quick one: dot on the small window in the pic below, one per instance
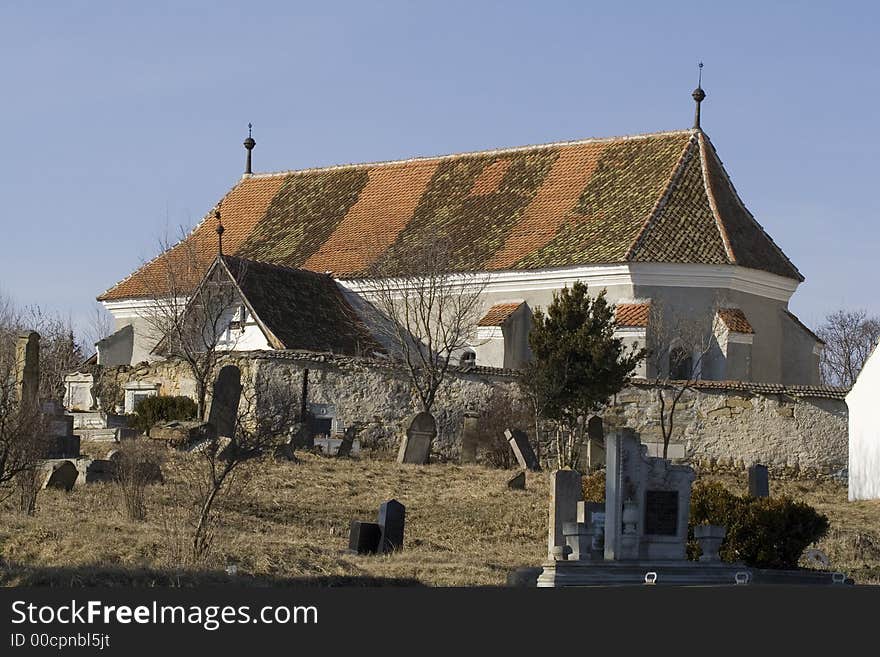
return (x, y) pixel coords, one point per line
(468, 359)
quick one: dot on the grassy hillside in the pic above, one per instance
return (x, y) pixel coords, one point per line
(289, 523)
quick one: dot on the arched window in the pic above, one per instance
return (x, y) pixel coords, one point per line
(681, 365)
(468, 359)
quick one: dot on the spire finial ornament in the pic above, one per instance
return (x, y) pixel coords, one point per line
(220, 231)
(698, 96)
(249, 144)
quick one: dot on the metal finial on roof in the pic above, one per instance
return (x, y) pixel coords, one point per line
(249, 144)
(220, 231)
(698, 96)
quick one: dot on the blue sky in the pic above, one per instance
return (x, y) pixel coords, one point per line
(122, 121)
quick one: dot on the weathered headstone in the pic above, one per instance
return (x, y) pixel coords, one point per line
(364, 537)
(224, 402)
(522, 449)
(470, 438)
(348, 437)
(96, 470)
(78, 395)
(60, 474)
(391, 519)
(416, 444)
(565, 493)
(518, 481)
(27, 368)
(759, 481)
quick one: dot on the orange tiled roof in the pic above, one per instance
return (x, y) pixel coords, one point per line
(661, 197)
(735, 320)
(499, 313)
(632, 314)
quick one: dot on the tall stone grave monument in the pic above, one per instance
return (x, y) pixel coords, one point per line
(27, 368)
(470, 438)
(565, 492)
(647, 501)
(225, 400)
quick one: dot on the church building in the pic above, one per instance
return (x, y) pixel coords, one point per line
(653, 219)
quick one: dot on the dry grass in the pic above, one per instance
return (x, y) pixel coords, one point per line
(290, 524)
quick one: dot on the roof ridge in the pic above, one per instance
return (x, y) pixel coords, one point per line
(274, 265)
(677, 172)
(713, 203)
(742, 205)
(463, 154)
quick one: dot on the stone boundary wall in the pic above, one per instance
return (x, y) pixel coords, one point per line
(375, 393)
(724, 426)
(719, 428)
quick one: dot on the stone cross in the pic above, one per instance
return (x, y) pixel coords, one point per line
(392, 515)
(565, 493)
(416, 444)
(225, 400)
(27, 368)
(522, 449)
(759, 481)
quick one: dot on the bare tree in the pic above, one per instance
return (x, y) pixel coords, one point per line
(266, 416)
(433, 312)
(191, 313)
(679, 347)
(850, 336)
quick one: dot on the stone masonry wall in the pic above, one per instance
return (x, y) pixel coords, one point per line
(724, 429)
(715, 429)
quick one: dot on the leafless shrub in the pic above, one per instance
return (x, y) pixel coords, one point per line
(138, 464)
(503, 411)
(27, 482)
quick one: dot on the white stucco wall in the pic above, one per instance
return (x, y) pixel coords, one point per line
(864, 432)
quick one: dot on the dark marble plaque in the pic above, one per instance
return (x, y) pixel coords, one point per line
(661, 512)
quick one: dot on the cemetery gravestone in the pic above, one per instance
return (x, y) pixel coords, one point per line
(61, 475)
(470, 438)
(345, 446)
(27, 371)
(416, 445)
(392, 515)
(565, 493)
(518, 482)
(759, 481)
(364, 537)
(224, 402)
(522, 450)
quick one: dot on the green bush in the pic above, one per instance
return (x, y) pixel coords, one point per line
(761, 532)
(149, 411)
